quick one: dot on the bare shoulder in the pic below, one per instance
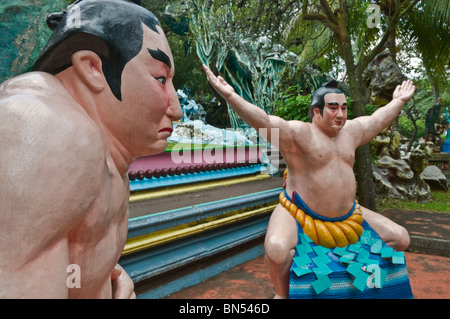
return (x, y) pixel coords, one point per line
(290, 132)
(41, 119)
(353, 125)
(300, 133)
(302, 127)
(51, 161)
(354, 130)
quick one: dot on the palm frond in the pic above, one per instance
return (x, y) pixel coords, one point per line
(427, 26)
(309, 39)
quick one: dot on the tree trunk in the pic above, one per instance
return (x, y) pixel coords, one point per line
(413, 119)
(413, 137)
(363, 165)
(432, 81)
(364, 177)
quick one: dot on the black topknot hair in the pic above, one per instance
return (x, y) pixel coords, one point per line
(317, 100)
(110, 28)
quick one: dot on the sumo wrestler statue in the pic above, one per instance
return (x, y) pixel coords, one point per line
(320, 242)
(101, 95)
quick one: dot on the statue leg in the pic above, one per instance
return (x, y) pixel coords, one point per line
(391, 233)
(280, 243)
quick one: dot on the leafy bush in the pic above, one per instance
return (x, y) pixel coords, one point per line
(406, 127)
(293, 105)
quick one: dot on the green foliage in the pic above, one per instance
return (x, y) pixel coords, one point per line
(426, 29)
(368, 110)
(188, 70)
(440, 203)
(406, 128)
(292, 105)
(284, 22)
(423, 101)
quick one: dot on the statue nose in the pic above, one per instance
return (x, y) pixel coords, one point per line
(174, 109)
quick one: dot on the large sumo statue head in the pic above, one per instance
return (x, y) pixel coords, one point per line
(318, 98)
(110, 28)
(131, 52)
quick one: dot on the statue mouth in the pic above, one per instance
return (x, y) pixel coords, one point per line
(166, 129)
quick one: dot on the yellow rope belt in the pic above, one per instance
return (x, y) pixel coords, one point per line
(327, 234)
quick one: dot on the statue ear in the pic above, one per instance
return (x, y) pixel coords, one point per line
(316, 112)
(88, 66)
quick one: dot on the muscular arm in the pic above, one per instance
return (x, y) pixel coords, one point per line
(251, 114)
(369, 126)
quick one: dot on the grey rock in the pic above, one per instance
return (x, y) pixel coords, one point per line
(434, 177)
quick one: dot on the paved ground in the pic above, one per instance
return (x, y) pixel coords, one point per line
(429, 232)
(429, 276)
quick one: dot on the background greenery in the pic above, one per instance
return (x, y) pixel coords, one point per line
(440, 203)
(317, 48)
(421, 45)
(332, 39)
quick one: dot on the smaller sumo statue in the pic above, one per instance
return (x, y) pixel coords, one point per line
(100, 95)
(320, 242)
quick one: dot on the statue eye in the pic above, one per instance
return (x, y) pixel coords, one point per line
(161, 79)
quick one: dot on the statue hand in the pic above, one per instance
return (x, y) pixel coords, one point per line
(122, 285)
(218, 83)
(405, 91)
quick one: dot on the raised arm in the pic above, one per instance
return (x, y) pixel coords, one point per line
(369, 126)
(249, 113)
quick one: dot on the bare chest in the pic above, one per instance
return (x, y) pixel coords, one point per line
(321, 152)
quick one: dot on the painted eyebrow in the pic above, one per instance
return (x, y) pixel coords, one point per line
(160, 56)
(336, 103)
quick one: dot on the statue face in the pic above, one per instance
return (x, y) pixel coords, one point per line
(142, 121)
(334, 113)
